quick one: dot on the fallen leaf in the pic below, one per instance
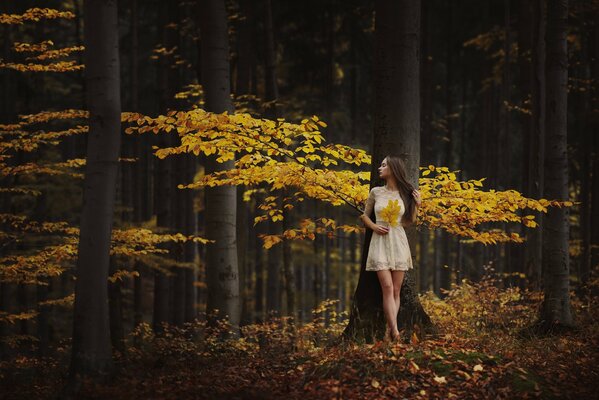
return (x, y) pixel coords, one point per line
(413, 367)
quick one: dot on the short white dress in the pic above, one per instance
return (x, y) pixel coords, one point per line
(390, 251)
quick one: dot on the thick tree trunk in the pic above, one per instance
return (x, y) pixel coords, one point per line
(396, 131)
(556, 310)
(91, 353)
(221, 264)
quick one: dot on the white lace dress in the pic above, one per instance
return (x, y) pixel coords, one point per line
(390, 251)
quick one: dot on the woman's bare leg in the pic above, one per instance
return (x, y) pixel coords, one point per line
(389, 307)
(397, 277)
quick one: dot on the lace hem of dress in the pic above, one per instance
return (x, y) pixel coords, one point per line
(383, 265)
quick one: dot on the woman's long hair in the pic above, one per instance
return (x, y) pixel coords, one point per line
(398, 169)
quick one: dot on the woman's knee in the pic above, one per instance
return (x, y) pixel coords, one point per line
(387, 287)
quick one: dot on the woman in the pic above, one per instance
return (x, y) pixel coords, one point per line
(395, 206)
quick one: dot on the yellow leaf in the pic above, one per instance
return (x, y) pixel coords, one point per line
(440, 379)
(413, 367)
(414, 339)
(478, 368)
(375, 383)
(390, 213)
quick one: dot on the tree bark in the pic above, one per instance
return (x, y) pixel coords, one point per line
(556, 311)
(165, 188)
(140, 170)
(396, 131)
(91, 352)
(221, 264)
(115, 310)
(426, 138)
(594, 245)
(536, 170)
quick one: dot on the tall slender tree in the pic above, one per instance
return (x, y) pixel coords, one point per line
(221, 256)
(533, 253)
(91, 353)
(556, 310)
(594, 239)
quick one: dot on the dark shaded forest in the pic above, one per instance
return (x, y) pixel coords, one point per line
(181, 183)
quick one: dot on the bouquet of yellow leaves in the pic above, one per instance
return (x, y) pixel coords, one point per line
(390, 213)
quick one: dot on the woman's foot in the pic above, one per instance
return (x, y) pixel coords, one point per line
(395, 336)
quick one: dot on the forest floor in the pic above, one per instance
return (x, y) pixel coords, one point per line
(480, 353)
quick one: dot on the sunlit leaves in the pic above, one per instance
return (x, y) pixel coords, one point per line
(53, 259)
(35, 14)
(41, 51)
(390, 213)
(294, 157)
(461, 207)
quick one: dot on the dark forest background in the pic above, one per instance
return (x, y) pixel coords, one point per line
(292, 59)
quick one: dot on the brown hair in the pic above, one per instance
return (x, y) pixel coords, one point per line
(398, 169)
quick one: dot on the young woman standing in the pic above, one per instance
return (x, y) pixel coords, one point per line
(395, 206)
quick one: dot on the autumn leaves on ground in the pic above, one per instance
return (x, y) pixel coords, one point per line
(482, 350)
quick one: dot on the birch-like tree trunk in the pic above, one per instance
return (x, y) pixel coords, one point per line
(221, 256)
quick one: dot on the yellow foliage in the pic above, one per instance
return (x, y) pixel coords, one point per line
(52, 260)
(390, 213)
(35, 14)
(60, 66)
(12, 318)
(289, 156)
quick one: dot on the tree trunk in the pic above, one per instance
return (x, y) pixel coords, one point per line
(91, 353)
(190, 248)
(165, 187)
(289, 270)
(140, 166)
(536, 170)
(583, 127)
(221, 256)
(259, 260)
(243, 79)
(595, 149)
(271, 90)
(426, 139)
(556, 311)
(396, 131)
(115, 310)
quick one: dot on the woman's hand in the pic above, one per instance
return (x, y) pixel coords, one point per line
(416, 195)
(380, 229)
